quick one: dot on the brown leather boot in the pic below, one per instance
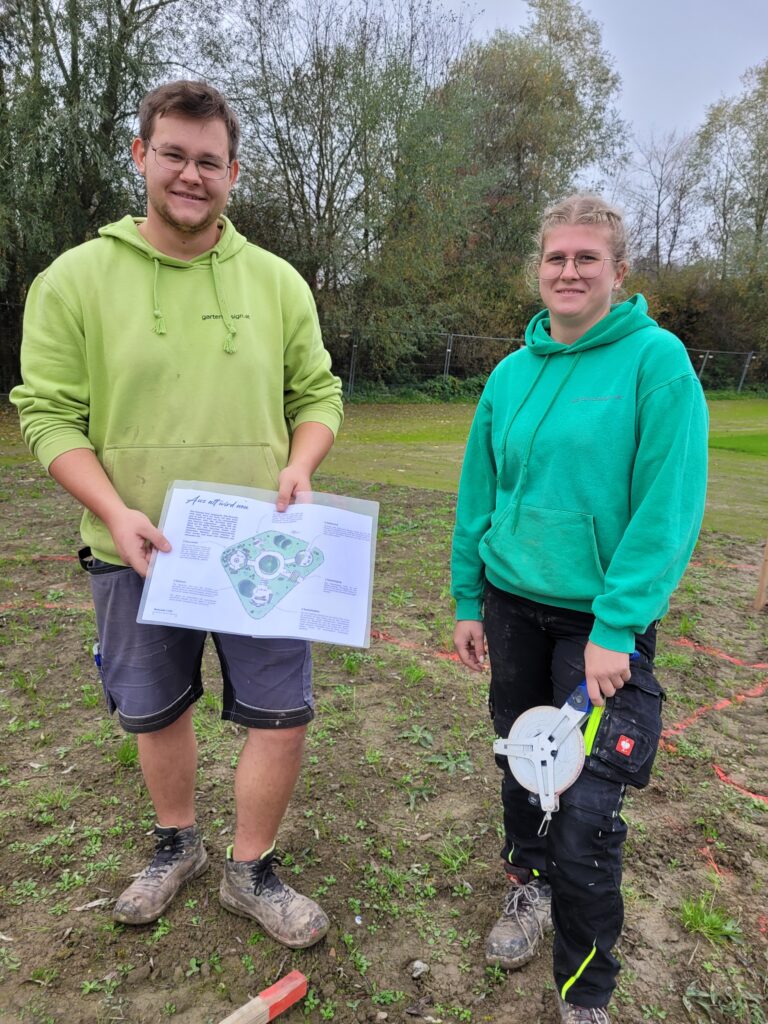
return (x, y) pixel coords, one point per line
(251, 888)
(570, 1014)
(527, 914)
(179, 857)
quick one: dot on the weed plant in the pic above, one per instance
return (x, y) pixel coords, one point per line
(699, 915)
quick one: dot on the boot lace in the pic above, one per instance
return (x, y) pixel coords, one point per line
(264, 879)
(521, 903)
(169, 850)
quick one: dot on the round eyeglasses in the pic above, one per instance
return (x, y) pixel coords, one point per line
(585, 264)
(173, 160)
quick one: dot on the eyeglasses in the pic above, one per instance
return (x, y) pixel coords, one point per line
(173, 160)
(585, 264)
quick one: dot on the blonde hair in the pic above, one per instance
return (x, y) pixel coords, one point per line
(584, 208)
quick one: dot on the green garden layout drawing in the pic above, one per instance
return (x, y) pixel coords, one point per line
(267, 566)
(237, 565)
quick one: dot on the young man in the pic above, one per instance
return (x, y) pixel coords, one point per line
(171, 348)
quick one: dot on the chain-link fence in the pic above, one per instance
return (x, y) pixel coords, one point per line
(371, 360)
(729, 370)
(431, 362)
(439, 363)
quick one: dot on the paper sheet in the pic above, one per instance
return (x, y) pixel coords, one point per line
(239, 566)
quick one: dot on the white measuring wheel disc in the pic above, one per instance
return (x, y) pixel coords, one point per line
(570, 757)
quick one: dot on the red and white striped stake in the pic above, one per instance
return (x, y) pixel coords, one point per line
(272, 1001)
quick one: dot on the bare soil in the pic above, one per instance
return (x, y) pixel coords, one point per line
(394, 825)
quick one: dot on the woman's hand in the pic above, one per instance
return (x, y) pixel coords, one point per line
(469, 640)
(605, 671)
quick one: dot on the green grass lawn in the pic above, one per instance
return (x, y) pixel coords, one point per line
(750, 444)
(423, 445)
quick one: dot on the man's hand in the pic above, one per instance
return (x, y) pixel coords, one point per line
(290, 481)
(310, 443)
(469, 640)
(135, 537)
(80, 472)
(605, 671)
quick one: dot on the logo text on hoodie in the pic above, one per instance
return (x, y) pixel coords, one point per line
(233, 316)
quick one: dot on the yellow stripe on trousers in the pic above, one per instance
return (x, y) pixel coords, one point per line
(580, 971)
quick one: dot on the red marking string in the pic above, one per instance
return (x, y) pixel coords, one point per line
(715, 652)
(672, 730)
(708, 857)
(739, 698)
(409, 645)
(742, 789)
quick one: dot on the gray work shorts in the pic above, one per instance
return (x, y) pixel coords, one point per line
(151, 674)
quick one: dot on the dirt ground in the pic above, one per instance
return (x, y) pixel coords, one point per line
(394, 825)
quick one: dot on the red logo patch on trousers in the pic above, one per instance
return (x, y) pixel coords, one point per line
(625, 745)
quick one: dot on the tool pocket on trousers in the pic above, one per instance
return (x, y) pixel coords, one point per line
(627, 738)
(596, 802)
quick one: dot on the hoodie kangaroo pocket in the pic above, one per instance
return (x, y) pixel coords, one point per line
(549, 552)
(141, 473)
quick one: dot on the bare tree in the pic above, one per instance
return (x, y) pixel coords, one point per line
(733, 150)
(326, 88)
(721, 196)
(662, 193)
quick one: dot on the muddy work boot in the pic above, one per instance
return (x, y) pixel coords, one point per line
(179, 857)
(570, 1014)
(251, 888)
(526, 916)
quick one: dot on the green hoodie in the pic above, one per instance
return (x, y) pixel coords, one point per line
(584, 477)
(171, 369)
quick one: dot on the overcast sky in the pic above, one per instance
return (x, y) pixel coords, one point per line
(675, 57)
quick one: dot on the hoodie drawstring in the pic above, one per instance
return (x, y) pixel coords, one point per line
(229, 341)
(513, 417)
(532, 438)
(159, 327)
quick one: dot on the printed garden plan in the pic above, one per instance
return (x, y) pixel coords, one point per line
(237, 565)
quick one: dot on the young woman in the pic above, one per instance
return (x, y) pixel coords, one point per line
(580, 501)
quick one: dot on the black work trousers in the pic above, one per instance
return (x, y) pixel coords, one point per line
(537, 657)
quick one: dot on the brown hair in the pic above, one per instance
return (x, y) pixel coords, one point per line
(189, 99)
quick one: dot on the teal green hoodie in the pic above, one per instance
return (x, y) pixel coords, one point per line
(171, 369)
(584, 477)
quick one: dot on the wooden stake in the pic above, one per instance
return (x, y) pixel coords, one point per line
(762, 586)
(272, 1001)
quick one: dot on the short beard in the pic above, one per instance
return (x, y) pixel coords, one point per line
(164, 213)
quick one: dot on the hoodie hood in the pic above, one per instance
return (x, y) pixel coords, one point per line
(229, 244)
(623, 319)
